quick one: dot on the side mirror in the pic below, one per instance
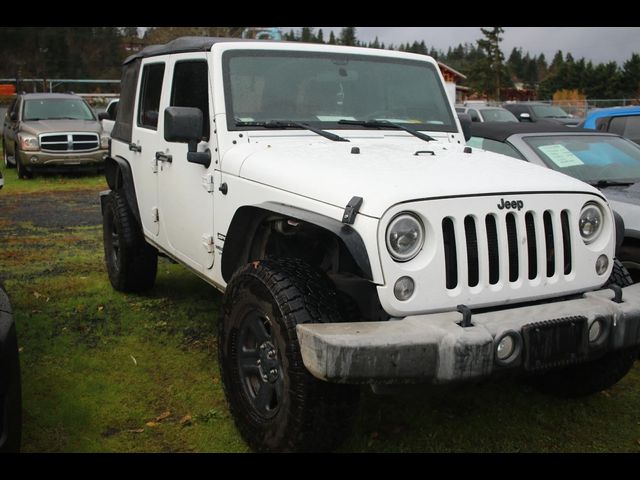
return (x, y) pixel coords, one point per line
(465, 124)
(184, 125)
(525, 116)
(13, 116)
(104, 116)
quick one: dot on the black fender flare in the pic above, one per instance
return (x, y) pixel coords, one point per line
(620, 231)
(120, 177)
(247, 219)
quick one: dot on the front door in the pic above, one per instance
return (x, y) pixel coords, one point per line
(186, 189)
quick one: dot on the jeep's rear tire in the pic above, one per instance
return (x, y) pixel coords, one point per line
(131, 262)
(277, 405)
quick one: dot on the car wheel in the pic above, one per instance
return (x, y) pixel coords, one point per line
(131, 262)
(10, 383)
(5, 156)
(277, 405)
(23, 172)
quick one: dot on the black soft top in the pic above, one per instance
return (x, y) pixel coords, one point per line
(500, 131)
(185, 44)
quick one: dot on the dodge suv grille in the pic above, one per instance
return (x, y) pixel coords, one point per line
(69, 142)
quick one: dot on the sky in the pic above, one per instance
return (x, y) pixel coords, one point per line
(598, 44)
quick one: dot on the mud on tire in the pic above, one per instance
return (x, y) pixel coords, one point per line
(276, 403)
(131, 262)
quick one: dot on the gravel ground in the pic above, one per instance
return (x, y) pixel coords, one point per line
(52, 210)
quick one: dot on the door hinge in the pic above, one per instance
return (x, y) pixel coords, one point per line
(155, 214)
(207, 243)
(207, 182)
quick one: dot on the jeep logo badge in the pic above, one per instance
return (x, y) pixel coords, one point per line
(514, 204)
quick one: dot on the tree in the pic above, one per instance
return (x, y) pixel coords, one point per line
(630, 77)
(489, 71)
(348, 36)
(332, 38)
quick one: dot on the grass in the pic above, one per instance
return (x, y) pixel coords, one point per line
(108, 372)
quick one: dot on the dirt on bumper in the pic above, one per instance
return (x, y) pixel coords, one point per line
(436, 348)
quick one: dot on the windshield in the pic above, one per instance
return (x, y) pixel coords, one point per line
(56, 108)
(321, 89)
(549, 111)
(590, 158)
(498, 115)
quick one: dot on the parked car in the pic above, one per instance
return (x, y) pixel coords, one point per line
(485, 113)
(607, 161)
(328, 192)
(624, 121)
(44, 130)
(108, 117)
(541, 112)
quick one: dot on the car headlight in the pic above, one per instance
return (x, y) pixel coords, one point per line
(104, 141)
(28, 143)
(405, 237)
(590, 222)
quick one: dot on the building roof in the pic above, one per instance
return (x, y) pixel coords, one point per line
(500, 131)
(455, 72)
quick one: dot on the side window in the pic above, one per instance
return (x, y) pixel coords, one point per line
(149, 101)
(501, 148)
(628, 127)
(191, 88)
(474, 115)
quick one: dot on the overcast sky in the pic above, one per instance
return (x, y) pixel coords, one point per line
(599, 44)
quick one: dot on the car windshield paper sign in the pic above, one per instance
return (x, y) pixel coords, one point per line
(559, 155)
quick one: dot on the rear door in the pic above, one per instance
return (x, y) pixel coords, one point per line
(186, 189)
(146, 139)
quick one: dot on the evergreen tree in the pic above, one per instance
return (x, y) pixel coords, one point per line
(348, 36)
(332, 38)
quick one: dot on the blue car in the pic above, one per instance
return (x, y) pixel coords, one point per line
(624, 121)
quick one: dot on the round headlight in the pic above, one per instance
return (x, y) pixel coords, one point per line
(405, 237)
(590, 222)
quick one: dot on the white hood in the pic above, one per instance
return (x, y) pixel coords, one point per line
(387, 171)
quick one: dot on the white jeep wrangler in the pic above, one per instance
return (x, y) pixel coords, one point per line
(328, 193)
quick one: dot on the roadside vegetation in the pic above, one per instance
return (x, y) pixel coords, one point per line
(108, 372)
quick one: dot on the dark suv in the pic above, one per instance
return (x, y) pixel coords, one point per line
(52, 129)
(541, 112)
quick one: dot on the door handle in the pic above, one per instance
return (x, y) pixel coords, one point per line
(164, 157)
(135, 147)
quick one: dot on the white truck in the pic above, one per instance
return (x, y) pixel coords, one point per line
(327, 191)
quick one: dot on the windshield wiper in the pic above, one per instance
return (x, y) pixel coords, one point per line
(610, 183)
(289, 124)
(387, 123)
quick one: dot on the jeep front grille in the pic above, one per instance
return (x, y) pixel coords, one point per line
(493, 252)
(69, 142)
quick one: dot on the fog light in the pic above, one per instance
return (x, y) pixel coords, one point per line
(505, 348)
(601, 264)
(403, 289)
(33, 159)
(594, 331)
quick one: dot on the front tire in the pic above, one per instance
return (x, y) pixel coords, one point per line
(131, 262)
(277, 405)
(5, 156)
(23, 172)
(597, 375)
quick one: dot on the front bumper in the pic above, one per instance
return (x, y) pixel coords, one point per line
(39, 159)
(435, 348)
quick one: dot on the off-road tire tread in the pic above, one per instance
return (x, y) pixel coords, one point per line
(321, 413)
(139, 260)
(619, 275)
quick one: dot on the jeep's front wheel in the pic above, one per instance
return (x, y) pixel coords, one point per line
(131, 262)
(277, 405)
